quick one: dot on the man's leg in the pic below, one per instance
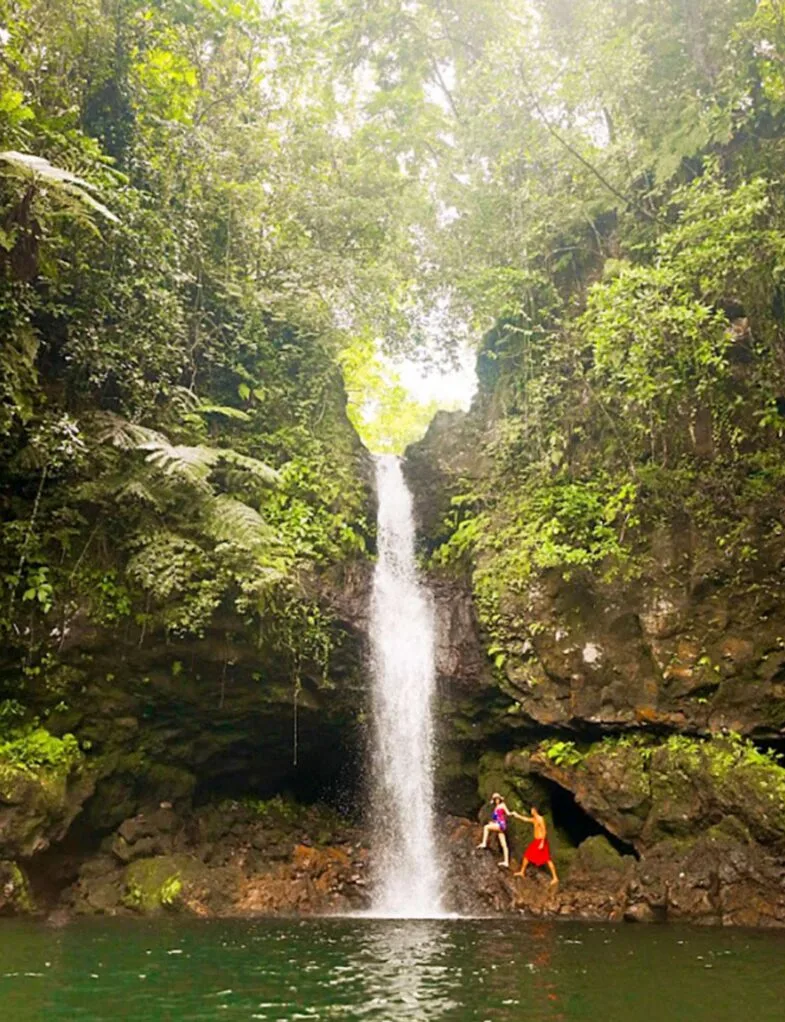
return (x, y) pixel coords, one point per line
(552, 868)
(522, 871)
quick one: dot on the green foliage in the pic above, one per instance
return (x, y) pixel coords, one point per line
(33, 750)
(171, 890)
(209, 218)
(726, 754)
(273, 809)
(562, 753)
(384, 414)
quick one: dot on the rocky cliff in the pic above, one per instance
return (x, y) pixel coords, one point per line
(624, 670)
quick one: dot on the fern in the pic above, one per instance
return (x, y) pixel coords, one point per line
(258, 469)
(190, 464)
(128, 436)
(225, 411)
(64, 180)
(230, 520)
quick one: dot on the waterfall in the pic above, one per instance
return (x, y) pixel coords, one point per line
(402, 646)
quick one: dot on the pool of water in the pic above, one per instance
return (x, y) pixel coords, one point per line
(461, 970)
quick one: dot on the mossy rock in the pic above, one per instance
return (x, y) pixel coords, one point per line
(596, 853)
(15, 896)
(131, 781)
(44, 782)
(156, 884)
(500, 772)
(491, 775)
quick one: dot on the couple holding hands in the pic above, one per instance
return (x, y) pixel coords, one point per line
(538, 852)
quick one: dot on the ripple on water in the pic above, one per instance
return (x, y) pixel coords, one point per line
(387, 971)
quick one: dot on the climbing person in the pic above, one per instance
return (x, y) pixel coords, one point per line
(538, 852)
(498, 826)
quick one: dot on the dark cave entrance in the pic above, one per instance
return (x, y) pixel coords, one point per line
(327, 767)
(576, 824)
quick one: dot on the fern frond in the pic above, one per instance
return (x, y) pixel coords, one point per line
(184, 399)
(225, 411)
(59, 177)
(190, 464)
(258, 469)
(139, 490)
(230, 520)
(128, 436)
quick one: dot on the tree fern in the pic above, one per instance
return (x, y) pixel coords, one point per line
(58, 177)
(231, 520)
(258, 469)
(119, 432)
(190, 464)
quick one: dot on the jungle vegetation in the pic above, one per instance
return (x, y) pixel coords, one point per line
(214, 214)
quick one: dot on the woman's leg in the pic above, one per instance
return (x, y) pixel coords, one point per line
(505, 849)
(487, 830)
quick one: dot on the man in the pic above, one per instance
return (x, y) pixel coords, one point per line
(538, 853)
(498, 825)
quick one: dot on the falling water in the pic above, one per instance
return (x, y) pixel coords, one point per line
(402, 641)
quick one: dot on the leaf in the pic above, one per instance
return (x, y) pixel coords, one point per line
(191, 464)
(231, 520)
(69, 182)
(258, 469)
(226, 411)
(119, 432)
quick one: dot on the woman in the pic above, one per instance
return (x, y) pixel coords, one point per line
(498, 825)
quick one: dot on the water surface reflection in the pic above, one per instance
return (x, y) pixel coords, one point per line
(406, 970)
(373, 970)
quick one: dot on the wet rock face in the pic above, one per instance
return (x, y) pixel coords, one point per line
(685, 644)
(37, 809)
(713, 881)
(217, 715)
(15, 896)
(226, 860)
(645, 794)
(689, 657)
(707, 820)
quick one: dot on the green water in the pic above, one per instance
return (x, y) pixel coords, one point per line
(494, 970)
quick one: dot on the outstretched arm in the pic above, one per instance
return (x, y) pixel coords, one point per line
(518, 816)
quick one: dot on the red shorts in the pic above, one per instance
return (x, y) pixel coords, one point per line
(538, 856)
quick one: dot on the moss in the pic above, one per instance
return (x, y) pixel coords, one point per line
(169, 782)
(491, 775)
(15, 895)
(597, 853)
(157, 883)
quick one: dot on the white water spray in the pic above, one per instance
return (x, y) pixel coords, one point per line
(402, 644)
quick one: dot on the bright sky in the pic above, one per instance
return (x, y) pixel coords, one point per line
(448, 387)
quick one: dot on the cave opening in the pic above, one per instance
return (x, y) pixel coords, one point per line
(576, 824)
(774, 747)
(326, 768)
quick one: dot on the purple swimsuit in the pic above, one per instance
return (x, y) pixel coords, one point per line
(500, 816)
